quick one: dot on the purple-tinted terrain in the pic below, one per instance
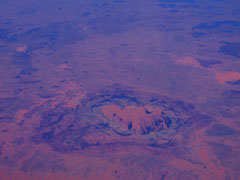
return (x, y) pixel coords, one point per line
(120, 90)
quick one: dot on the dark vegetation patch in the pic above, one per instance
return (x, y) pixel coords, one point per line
(208, 63)
(177, 1)
(237, 82)
(198, 34)
(216, 24)
(230, 48)
(231, 97)
(220, 130)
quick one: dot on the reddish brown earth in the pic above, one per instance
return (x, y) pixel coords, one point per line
(106, 90)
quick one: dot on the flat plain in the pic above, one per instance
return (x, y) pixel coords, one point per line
(117, 89)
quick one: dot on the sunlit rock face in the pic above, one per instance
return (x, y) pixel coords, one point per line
(142, 120)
